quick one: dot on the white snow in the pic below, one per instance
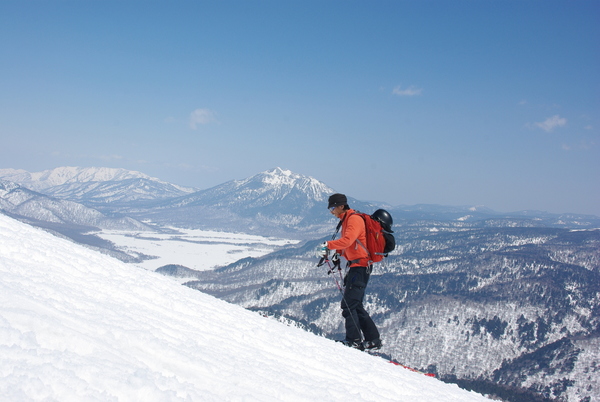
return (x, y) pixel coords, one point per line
(76, 325)
(199, 250)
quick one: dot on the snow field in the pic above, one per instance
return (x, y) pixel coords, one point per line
(195, 249)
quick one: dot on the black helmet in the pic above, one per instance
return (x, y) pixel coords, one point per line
(384, 218)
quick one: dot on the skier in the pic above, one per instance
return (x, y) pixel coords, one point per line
(358, 323)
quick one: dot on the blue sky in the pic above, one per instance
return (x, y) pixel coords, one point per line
(491, 103)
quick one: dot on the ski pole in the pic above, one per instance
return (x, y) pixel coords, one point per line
(331, 271)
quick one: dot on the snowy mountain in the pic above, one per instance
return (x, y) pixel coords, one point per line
(38, 208)
(275, 202)
(289, 190)
(78, 325)
(95, 186)
(65, 175)
(512, 311)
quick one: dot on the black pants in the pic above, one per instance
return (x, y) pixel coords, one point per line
(353, 311)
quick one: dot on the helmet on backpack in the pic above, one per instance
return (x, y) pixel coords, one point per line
(384, 218)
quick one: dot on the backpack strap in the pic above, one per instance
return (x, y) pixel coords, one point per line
(339, 225)
(369, 260)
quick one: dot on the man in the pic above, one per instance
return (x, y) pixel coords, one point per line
(358, 323)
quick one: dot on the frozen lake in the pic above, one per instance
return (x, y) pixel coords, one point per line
(195, 249)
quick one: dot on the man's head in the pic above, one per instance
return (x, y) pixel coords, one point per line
(338, 203)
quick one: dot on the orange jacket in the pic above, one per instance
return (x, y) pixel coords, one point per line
(353, 229)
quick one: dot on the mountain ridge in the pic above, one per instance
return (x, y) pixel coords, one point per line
(68, 181)
(30, 205)
(275, 202)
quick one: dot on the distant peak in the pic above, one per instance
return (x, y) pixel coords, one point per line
(279, 171)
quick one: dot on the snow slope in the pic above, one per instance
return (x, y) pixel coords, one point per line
(76, 325)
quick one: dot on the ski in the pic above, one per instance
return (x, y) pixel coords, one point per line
(376, 352)
(397, 363)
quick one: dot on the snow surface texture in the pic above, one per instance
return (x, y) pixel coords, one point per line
(76, 325)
